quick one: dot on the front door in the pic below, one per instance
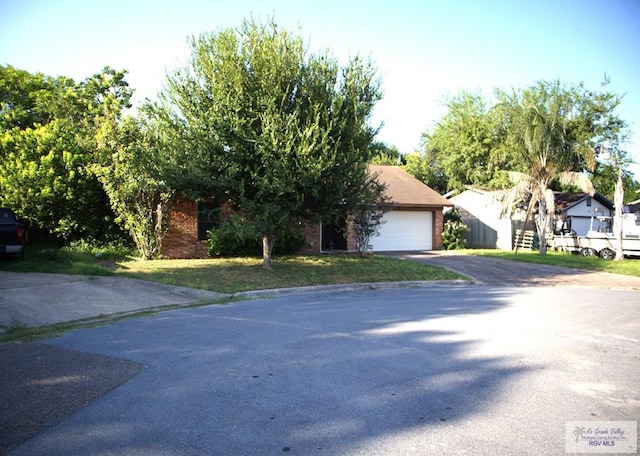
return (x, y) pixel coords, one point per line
(333, 236)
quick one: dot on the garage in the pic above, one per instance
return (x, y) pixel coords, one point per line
(405, 231)
(413, 218)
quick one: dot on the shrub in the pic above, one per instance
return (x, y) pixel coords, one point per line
(453, 231)
(232, 240)
(105, 250)
(228, 241)
(289, 241)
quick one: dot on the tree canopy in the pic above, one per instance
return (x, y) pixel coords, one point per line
(534, 139)
(47, 144)
(276, 132)
(134, 174)
(548, 135)
(463, 149)
(476, 141)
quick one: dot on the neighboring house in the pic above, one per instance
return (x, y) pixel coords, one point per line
(414, 224)
(482, 212)
(577, 211)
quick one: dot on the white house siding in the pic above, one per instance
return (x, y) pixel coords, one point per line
(405, 231)
(485, 208)
(581, 215)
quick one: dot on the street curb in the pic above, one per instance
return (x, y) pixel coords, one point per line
(275, 292)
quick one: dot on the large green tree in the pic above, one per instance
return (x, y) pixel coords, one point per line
(273, 130)
(47, 146)
(133, 170)
(470, 144)
(464, 147)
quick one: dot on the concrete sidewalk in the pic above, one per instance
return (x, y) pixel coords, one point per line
(34, 299)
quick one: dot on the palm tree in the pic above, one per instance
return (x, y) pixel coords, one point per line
(539, 194)
(544, 128)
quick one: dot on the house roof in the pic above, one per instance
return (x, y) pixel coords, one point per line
(405, 190)
(565, 201)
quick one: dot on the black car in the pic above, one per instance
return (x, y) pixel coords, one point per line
(12, 234)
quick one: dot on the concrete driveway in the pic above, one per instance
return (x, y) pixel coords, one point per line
(497, 272)
(446, 370)
(33, 299)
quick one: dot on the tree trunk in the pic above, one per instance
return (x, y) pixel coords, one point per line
(267, 249)
(618, 202)
(543, 220)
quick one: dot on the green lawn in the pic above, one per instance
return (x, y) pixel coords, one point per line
(231, 275)
(244, 274)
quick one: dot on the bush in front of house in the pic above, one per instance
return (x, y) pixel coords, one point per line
(230, 240)
(289, 241)
(453, 231)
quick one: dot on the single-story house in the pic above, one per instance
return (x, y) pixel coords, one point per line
(484, 214)
(415, 222)
(576, 211)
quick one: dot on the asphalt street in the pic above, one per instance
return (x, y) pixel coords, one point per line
(482, 370)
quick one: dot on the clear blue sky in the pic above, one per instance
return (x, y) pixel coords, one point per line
(424, 50)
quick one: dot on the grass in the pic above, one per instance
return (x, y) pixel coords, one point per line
(244, 274)
(629, 266)
(233, 275)
(221, 275)
(228, 275)
(72, 260)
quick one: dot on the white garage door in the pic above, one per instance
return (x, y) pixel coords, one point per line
(405, 230)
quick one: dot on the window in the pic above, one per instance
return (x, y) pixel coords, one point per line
(589, 201)
(6, 217)
(208, 215)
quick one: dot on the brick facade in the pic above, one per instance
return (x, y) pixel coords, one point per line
(181, 241)
(438, 225)
(313, 240)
